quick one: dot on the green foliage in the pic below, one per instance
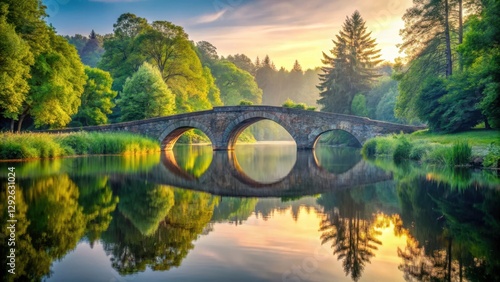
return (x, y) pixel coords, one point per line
(145, 95)
(350, 70)
(369, 149)
(96, 99)
(301, 106)
(146, 206)
(402, 150)
(245, 103)
(41, 145)
(339, 138)
(461, 153)
(419, 150)
(235, 84)
(122, 56)
(428, 105)
(57, 82)
(358, 106)
(15, 62)
(492, 159)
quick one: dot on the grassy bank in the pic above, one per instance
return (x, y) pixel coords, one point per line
(44, 145)
(475, 147)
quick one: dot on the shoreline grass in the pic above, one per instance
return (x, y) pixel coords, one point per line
(471, 148)
(14, 146)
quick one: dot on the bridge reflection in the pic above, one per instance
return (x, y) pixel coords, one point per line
(225, 177)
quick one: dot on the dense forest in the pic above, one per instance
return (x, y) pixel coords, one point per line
(449, 79)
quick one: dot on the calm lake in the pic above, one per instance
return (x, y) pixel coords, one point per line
(264, 212)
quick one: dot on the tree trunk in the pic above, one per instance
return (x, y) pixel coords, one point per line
(486, 123)
(449, 67)
(460, 32)
(460, 23)
(12, 123)
(20, 123)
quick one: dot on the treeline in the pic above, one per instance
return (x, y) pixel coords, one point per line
(143, 70)
(452, 78)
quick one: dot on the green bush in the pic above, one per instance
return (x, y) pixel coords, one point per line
(369, 148)
(419, 150)
(386, 145)
(402, 150)
(245, 103)
(492, 159)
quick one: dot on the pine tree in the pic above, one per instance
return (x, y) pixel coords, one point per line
(350, 70)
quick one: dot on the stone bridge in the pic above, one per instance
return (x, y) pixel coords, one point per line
(223, 125)
(224, 177)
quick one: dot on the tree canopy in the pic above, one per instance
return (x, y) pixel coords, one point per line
(351, 68)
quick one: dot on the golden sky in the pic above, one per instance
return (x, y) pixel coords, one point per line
(295, 29)
(286, 30)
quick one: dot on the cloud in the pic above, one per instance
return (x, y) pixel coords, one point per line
(296, 29)
(208, 18)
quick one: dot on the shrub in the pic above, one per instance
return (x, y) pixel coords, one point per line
(386, 145)
(402, 150)
(492, 159)
(419, 150)
(369, 148)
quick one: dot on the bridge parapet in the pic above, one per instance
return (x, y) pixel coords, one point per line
(223, 125)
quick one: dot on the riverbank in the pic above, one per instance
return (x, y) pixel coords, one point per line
(477, 148)
(43, 145)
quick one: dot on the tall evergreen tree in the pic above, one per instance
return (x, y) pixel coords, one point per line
(92, 52)
(350, 70)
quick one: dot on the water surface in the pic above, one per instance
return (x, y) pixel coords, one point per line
(260, 213)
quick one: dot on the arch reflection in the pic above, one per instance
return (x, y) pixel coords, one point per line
(225, 177)
(195, 162)
(261, 165)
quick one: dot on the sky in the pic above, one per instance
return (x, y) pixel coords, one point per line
(286, 30)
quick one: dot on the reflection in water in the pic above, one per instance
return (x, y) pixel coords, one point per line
(350, 231)
(336, 160)
(451, 229)
(195, 160)
(262, 165)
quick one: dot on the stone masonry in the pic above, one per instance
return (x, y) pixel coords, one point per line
(223, 125)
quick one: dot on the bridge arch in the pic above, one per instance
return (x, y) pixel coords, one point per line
(333, 131)
(174, 131)
(340, 126)
(238, 125)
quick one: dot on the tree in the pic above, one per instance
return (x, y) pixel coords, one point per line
(350, 69)
(235, 84)
(480, 52)
(92, 51)
(15, 62)
(168, 48)
(57, 82)
(358, 106)
(207, 52)
(145, 95)
(243, 62)
(96, 99)
(265, 76)
(122, 57)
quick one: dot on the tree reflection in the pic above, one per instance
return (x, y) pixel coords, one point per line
(49, 224)
(234, 209)
(98, 203)
(144, 204)
(452, 235)
(350, 230)
(178, 217)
